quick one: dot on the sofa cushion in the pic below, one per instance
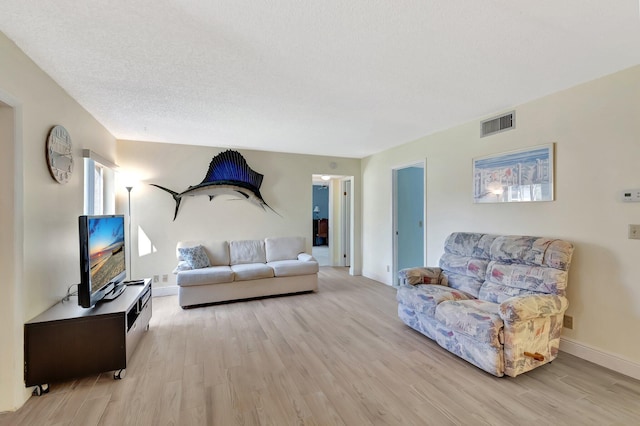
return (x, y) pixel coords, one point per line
(477, 319)
(465, 260)
(251, 271)
(289, 268)
(558, 255)
(469, 244)
(217, 251)
(423, 298)
(538, 279)
(464, 265)
(247, 251)
(462, 283)
(204, 276)
(519, 249)
(498, 293)
(195, 257)
(285, 248)
(532, 251)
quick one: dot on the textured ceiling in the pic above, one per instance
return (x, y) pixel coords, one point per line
(337, 77)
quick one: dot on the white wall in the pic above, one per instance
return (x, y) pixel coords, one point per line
(287, 188)
(596, 128)
(48, 249)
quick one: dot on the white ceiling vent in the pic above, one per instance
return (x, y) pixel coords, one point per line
(498, 124)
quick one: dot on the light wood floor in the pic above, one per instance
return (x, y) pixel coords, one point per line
(339, 356)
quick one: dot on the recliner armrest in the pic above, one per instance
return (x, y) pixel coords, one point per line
(519, 308)
(420, 275)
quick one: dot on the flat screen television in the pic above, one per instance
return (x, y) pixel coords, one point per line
(102, 258)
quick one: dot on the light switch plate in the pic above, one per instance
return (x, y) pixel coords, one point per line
(634, 232)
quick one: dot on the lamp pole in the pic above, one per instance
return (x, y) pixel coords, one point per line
(129, 188)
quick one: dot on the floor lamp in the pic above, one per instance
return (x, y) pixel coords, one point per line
(129, 188)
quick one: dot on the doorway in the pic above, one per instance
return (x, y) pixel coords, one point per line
(332, 220)
(409, 234)
(320, 230)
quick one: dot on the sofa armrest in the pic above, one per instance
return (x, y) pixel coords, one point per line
(306, 257)
(420, 275)
(520, 308)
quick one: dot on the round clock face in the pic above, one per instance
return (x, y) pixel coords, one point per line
(59, 155)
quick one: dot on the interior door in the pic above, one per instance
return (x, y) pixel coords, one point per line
(409, 218)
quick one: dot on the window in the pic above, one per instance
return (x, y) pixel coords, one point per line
(99, 184)
(98, 189)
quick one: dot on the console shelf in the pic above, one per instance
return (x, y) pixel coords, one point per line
(68, 341)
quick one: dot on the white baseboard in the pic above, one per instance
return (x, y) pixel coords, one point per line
(598, 356)
(165, 291)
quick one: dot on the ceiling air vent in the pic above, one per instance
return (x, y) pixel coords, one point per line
(498, 124)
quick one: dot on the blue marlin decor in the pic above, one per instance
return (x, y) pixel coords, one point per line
(228, 174)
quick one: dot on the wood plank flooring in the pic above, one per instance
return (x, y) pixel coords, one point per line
(337, 357)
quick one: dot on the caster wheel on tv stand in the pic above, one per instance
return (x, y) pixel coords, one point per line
(117, 375)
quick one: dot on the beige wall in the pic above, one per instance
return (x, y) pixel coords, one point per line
(48, 259)
(596, 128)
(287, 188)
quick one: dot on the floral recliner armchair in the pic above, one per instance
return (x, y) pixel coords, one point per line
(495, 301)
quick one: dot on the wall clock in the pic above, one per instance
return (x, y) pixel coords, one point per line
(59, 154)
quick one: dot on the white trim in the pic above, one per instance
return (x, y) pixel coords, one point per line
(171, 290)
(605, 359)
(14, 385)
(346, 223)
(87, 153)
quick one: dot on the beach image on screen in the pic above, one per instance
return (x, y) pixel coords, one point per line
(106, 250)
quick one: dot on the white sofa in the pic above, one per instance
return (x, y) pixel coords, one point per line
(246, 269)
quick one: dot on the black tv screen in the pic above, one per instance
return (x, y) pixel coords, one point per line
(102, 257)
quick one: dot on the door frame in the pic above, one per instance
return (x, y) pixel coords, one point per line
(12, 391)
(394, 207)
(341, 220)
(346, 190)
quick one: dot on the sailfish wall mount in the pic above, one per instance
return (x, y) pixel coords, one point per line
(228, 174)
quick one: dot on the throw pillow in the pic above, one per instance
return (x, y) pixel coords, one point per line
(196, 257)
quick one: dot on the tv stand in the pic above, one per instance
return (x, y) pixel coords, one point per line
(68, 341)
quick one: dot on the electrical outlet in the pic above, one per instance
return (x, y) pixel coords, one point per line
(634, 232)
(156, 278)
(165, 278)
(567, 322)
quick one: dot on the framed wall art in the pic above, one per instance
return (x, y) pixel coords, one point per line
(517, 176)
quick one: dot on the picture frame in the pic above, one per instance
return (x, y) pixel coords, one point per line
(524, 175)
